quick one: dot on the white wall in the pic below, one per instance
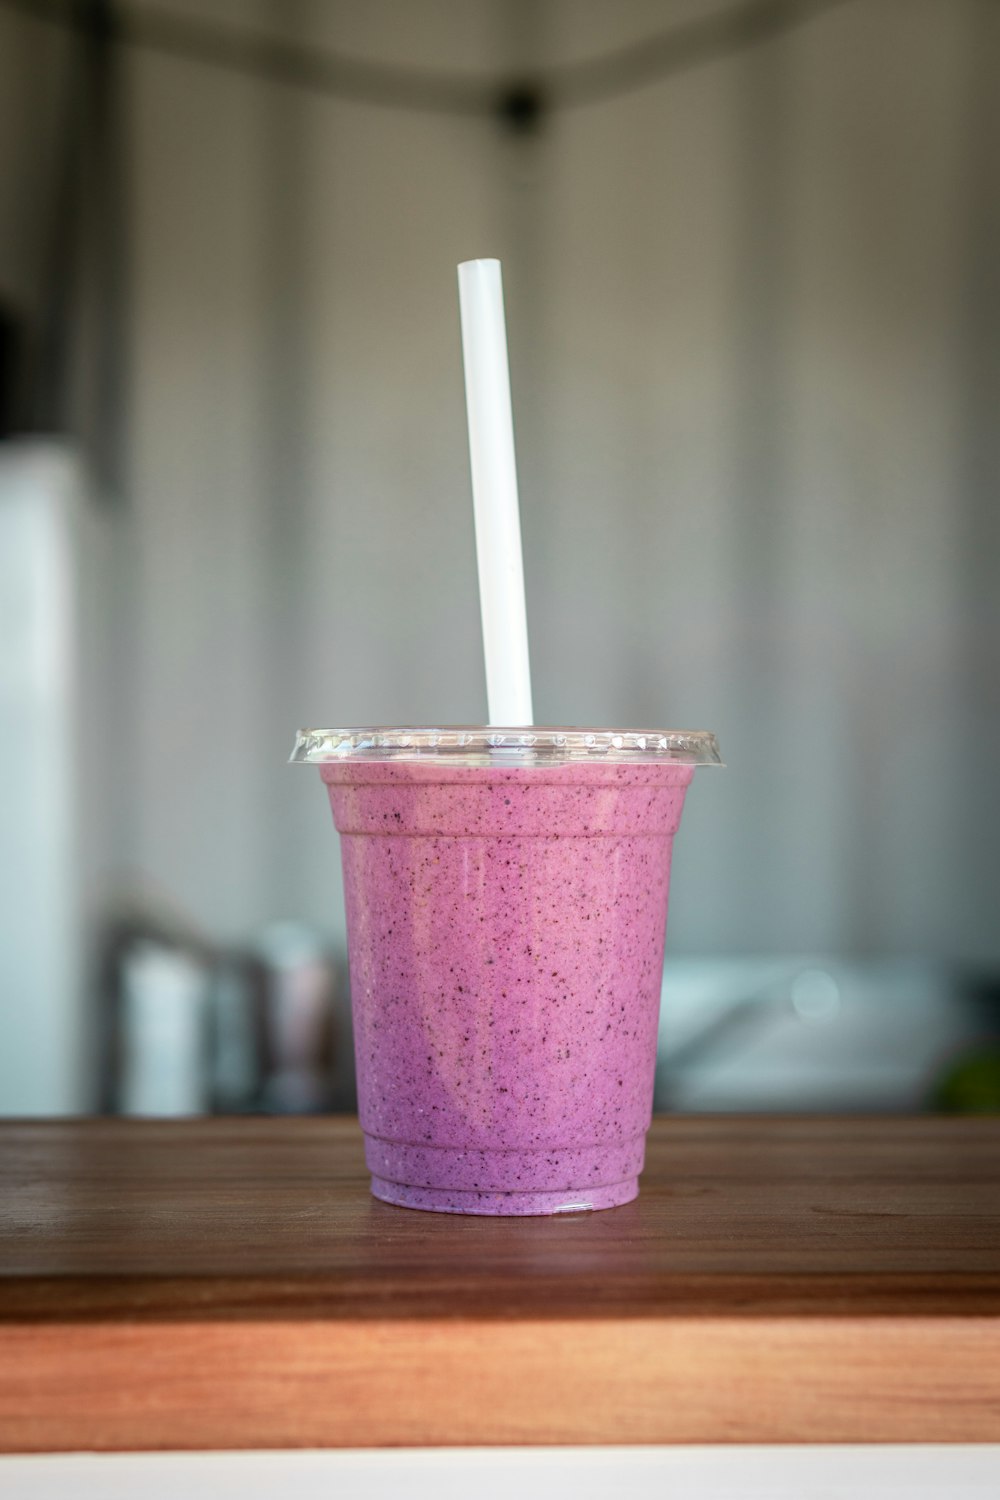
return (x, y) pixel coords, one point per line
(753, 330)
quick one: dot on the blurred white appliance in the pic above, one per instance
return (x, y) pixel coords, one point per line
(164, 1033)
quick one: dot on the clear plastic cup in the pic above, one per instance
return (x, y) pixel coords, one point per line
(506, 895)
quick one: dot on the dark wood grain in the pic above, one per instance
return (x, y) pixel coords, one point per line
(233, 1284)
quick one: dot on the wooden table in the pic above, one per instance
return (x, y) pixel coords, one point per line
(231, 1284)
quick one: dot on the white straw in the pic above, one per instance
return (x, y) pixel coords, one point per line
(494, 493)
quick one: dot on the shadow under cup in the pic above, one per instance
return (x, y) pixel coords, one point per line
(506, 912)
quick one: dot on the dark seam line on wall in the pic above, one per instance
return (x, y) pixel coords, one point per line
(595, 80)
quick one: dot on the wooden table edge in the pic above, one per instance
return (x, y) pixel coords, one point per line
(406, 1382)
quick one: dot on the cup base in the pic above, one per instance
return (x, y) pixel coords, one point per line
(505, 1204)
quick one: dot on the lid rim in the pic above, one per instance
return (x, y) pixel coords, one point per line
(535, 744)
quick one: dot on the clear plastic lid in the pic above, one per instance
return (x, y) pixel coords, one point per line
(486, 745)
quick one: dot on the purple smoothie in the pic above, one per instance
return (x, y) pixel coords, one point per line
(506, 928)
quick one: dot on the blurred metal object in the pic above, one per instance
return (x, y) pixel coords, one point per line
(190, 1028)
(237, 1035)
(813, 1034)
(299, 995)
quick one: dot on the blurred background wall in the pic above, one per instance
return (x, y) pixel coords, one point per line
(753, 290)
